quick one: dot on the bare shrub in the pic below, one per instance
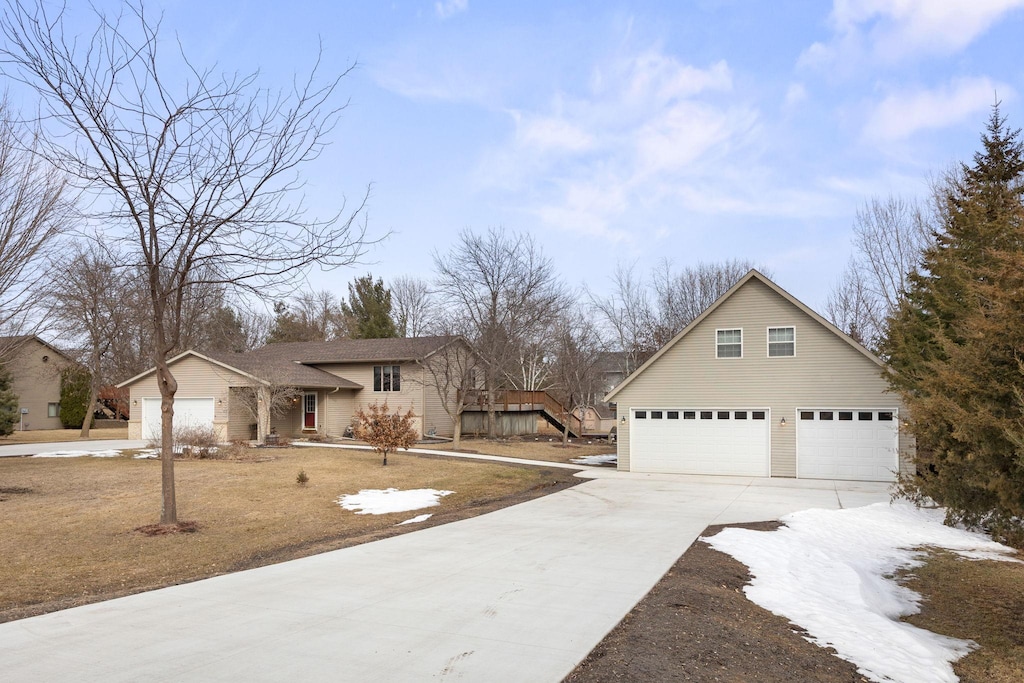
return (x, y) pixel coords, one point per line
(196, 441)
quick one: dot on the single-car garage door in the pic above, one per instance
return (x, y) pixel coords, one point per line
(700, 441)
(193, 412)
(859, 445)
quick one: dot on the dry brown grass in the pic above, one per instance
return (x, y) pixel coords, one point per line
(68, 526)
(981, 601)
(59, 435)
(533, 447)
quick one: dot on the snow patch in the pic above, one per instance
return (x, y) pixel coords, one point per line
(79, 454)
(416, 520)
(829, 571)
(383, 501)
(148, 454)
(596, 459)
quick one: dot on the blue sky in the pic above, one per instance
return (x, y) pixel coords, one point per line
(622, 132)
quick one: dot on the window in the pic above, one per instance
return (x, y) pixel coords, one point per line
(825, 415)
(705, 414)
(864, 416)
(845, 415)
(387, 377)
(729, 343)
(757, 415)
(52, 410)
(781, 341)
(656, 414)
(806, 414)
(689, 414)
(723, 414)
(673, 414)
(741, 415)
(885, 416)
(641, 414)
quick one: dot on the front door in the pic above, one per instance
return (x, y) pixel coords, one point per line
(309, 411)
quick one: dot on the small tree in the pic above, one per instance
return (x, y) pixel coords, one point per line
(8, 403)
(384, 430)
(265, 401)
(74, 395)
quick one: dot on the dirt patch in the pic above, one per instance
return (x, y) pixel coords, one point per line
(531, 447)
(7, 491)
(697, 625)
(165, 529)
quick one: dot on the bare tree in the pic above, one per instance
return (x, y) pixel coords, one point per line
(889, 236)
(311, 316)
(86, 306)
(505, 288)
(452, 372)
(412, 307)
(33, 213)
(628, 316)
(266, 400)
(193, 176)
(577, 347)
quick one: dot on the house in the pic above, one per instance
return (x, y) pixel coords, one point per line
(35, 368)
(326, 383)
(761, 385)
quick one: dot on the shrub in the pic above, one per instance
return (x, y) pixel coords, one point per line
(74, 394)
(302, 479)
(8, 403)
(194, 441)
(384, 430)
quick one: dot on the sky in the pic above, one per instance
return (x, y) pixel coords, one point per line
(628, 133)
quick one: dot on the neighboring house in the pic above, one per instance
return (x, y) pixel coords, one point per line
(761, 385)
(35, 368)
(333, 379)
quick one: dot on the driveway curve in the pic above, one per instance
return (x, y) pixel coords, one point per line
(520, 594)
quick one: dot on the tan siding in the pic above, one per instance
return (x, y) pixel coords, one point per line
(434, 415)
(826, 372)
(239, 418)
(196, 378)
(37, 383)
(409, 398)
(340, 408)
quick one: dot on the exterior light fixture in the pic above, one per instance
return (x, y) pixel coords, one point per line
(135, 401)
(783, 423)
(622, 420)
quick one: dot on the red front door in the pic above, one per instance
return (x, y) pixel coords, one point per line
(309, 411)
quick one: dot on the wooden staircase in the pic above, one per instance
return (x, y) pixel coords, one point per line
(540, 402)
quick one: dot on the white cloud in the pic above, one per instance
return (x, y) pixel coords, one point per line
(796, 94)
(902, 114)
(448, 8)
(889, 31)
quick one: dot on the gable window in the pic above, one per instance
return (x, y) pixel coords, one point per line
(387, 377)
(781, 341)
(729, 343)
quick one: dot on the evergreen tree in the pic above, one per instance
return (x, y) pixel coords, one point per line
(9, 415)
(369, 307)
(74, 397)
(956, 344)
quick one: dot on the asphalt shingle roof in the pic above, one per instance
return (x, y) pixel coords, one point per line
(354, 350)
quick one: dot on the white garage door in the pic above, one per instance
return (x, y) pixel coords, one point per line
(196, 412)
(700, 441)
(859, 445)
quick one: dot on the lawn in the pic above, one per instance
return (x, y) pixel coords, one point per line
(67, 525)
(58, 435)
(532, 447)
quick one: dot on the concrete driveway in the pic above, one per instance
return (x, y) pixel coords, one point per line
(521, 594)
(20, 450)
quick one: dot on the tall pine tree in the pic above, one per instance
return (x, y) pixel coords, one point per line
(956, 344)
(369, 309)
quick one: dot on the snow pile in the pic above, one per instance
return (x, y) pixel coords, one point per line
(383, 501)
(416, 520)
(610, 459)
(148, 454)
(79, 454)
(829, 571)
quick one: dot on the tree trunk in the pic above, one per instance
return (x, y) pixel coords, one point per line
(168, 386)
(385, 458)
(94, 390)
(491, 420)
(457, 430)
(262, 413)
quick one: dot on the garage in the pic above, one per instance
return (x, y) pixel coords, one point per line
(193, 412)
(852, 444)
(701, 441)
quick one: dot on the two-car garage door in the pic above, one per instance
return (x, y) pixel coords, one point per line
(700, 441)
(193, 412)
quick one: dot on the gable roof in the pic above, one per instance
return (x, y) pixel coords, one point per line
(263, 371)
(15, 342)
(355, 350)
(751, 275)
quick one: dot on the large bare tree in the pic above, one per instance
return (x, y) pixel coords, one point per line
(412, 307)
(193, 172)
(452, 371)
(33, 213)
(504, 289)
(889, 237)
(87, 307)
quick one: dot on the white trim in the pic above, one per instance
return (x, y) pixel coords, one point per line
(316, 412)
(190, 352)
(728, 329)
(768, 341)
